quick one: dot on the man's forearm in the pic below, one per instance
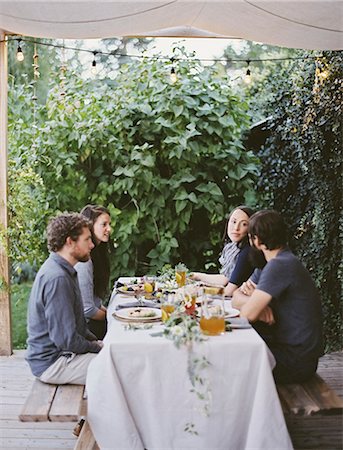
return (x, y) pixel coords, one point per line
(239, 299)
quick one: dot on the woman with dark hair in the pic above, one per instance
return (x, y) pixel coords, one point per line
(94, 274)
(234, 259)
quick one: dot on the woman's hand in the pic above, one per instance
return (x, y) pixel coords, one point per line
(195, 276)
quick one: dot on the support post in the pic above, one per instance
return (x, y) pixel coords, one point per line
(5, 304)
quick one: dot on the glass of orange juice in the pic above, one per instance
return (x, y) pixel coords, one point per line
(189, 298)
(168, 306)
(180, 274)
(212, 321)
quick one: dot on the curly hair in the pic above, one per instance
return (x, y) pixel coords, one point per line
(63, 226)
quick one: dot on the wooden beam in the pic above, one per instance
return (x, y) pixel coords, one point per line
(5, 304)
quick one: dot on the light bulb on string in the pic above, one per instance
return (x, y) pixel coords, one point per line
(35, 64)
(173, 76)
(247, 78)
(20, 54)
(94, 69)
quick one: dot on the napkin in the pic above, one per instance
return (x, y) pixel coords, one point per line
(144, 304)
(239, 322)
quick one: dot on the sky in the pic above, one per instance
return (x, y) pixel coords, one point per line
(204, 48)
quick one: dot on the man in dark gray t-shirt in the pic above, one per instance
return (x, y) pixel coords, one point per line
(60, 346)
(287, 298)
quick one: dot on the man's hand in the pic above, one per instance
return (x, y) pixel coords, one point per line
(267, 316)
(100, 343)
(248, 287)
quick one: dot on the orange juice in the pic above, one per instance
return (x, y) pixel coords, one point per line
(180, 277)
(167, 309)
(212, 326)
(191, 305)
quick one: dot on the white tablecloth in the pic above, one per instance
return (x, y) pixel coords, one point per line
(139, 393)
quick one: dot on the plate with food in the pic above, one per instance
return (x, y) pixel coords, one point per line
(130, 289)
(139, 314)
(231, 312)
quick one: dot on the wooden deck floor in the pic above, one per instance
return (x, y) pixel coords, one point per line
(16, 380)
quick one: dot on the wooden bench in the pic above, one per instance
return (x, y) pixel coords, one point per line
(313, 414)
(59, 403)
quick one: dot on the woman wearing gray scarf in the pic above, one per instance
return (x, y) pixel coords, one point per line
(236, 267)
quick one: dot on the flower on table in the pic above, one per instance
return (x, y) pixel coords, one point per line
(177, 330)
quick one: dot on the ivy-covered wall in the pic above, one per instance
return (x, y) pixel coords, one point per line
(302, 174)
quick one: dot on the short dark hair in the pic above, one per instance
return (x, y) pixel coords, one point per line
(269, 226)
(63, 226)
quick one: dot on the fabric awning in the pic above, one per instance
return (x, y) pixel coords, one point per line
(299, 24)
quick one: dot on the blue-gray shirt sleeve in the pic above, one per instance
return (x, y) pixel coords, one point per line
(85, 275)
(60, 316)
(255, 276)
(243, 268)
(274, 278)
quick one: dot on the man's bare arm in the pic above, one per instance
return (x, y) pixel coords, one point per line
(243, 294)
(253, 308)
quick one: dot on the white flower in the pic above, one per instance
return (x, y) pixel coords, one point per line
(177, 331)
(69, 109)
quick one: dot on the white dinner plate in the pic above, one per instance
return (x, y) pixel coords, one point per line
(125, 313)
(232, 312)
(126, 292)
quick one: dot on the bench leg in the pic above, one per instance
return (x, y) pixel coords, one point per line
(86, 440)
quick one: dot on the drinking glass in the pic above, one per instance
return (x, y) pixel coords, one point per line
(190, 297)
(168, 306)
(149, 284)
(180, 276)
(212, 321)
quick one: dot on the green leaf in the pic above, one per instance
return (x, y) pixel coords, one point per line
(177, 110)
(192, 197)
(182, 194)
(180, 205)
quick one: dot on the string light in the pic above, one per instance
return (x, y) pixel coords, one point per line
(35, 98)
(35, 64)
(63, 70)
(164, 58)
(247, 78)
(94, 69)
(20, 54)
(173, 76)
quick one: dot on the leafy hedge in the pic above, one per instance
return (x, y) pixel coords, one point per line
(167, 159)
(302, 174)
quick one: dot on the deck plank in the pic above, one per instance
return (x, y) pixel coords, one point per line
(16, 381)
(37, 405)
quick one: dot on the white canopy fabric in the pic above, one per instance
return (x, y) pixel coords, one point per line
(304, 24)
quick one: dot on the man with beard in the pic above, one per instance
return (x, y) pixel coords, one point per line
(60, 346)
(286, 296)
